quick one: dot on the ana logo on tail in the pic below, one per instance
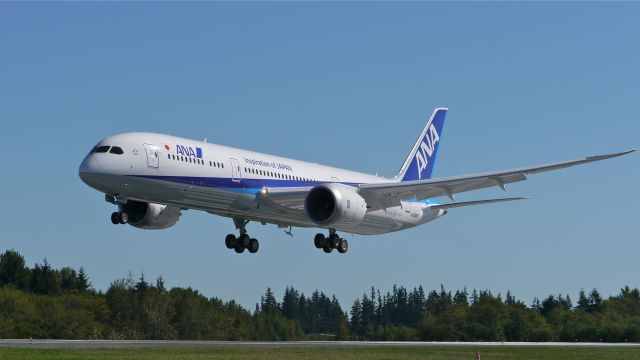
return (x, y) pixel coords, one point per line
(426, 149)
(420, 162)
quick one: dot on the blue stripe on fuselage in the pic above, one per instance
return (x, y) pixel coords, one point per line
(246, 184)
(250, 186)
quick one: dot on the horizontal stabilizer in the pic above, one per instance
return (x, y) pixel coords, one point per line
(471, 203)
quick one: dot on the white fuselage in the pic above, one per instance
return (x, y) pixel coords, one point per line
(227, 181)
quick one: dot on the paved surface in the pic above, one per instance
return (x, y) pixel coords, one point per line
(87, 344)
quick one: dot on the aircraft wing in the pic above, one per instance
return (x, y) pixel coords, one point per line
(384, 195)
(389, 194)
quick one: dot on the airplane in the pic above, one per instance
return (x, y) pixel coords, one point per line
(152, 178)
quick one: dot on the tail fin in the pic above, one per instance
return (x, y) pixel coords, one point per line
(419, 164)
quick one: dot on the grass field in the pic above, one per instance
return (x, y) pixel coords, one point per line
(368, 353)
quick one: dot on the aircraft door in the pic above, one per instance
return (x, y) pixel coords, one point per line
(235, 170)
(153, 156)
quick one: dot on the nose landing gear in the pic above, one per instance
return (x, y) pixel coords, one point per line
(119, 218)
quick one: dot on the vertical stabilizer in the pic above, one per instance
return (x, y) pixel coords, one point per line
(421, 160)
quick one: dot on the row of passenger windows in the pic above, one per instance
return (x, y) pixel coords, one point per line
(194, 161)
(246, 170)
(277, 175)
(104, 148)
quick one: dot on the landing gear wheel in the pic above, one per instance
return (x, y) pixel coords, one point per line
(115, 218)
(343, 246)
(230, 241)
(239, 249)
(244, 240)
(254, 245)
(124, 218)
(319, 241)
(334, 240)
(328, 249)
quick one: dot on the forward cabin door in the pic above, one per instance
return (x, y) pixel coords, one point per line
(153, 156)
(235, 170)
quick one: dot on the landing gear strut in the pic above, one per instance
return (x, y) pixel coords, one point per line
(242, 242)
(327, 244)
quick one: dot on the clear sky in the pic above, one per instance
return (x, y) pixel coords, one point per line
(349, 85)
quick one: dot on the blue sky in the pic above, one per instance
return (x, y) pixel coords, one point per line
(349, 85)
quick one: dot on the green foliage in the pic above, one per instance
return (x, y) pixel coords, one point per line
(13, 270)
(486, 317)
(44, 302)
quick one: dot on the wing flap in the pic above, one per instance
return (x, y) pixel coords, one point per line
(473, 203)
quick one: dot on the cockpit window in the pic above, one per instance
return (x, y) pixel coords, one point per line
(116, 150)
(101, 149)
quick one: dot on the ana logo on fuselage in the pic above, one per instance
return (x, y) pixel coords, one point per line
(427, 146)
(188, 151)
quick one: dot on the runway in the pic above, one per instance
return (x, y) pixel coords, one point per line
(89, 344)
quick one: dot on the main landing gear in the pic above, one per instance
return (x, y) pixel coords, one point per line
(239, 244)
(327, 244)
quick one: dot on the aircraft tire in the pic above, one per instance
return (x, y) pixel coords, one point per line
(328, 249)
(239, 249)
(230, 241)
(254, 245)
(334, 240)
(124, 218)
(244, 240)
(343, 246)
(319, 240)
(115, 218)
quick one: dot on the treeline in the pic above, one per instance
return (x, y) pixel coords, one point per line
(43, 302)
(483, 316)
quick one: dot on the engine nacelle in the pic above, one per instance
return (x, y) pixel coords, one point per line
(331, 203)
(149, 215)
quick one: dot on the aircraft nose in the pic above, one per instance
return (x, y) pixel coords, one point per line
(89, 169)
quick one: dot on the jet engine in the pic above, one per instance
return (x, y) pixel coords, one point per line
(331, 203)
(149, 215)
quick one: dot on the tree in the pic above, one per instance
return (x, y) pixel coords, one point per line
(583, 302)
(13, 270)
(595, 301)
(45, 279)
(68, 279)
(268, 302)
(356, 317)
(291, 303)
(83, 280)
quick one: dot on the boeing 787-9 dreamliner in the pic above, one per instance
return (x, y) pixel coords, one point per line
(152, 178)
